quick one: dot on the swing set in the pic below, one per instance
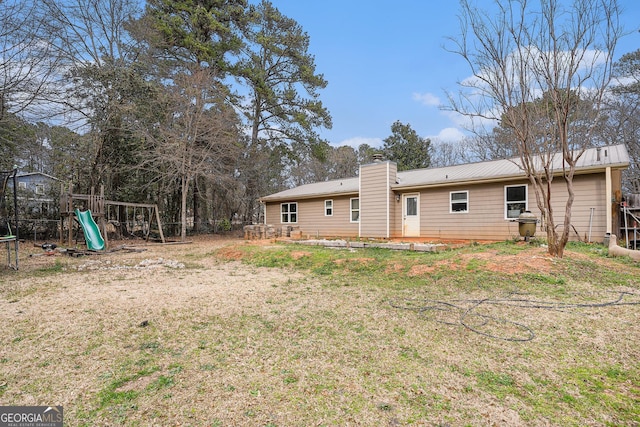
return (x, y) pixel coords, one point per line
(109, 214)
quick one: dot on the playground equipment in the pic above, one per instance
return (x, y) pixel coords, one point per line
(92, 235)
(7, 237)
(100, 213)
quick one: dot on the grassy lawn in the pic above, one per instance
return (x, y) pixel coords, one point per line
(284, 335)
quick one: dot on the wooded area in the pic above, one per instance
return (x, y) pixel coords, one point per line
(202, 107)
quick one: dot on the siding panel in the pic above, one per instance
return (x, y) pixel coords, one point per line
(485, 219)
(312, 220)
(376, 199)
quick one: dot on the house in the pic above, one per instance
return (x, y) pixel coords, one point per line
(477, 201)
(36, 193)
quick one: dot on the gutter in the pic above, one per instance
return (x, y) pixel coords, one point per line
(504, 178)
(268, 199)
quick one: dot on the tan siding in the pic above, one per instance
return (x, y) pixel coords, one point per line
(312, 220)
(589, 193)
(376, 198)
(272, 214)
(485, 219)
(396, 218)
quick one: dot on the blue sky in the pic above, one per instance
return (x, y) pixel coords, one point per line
(385, 61)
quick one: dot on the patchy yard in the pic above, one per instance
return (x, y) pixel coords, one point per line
(226, 333)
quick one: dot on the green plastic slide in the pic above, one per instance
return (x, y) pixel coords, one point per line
(92, 235)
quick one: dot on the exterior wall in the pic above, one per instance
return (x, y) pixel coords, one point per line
(376, 199)
(485, 219)
(312, 220)
(35, 192)
(35, 185)
(590, 192)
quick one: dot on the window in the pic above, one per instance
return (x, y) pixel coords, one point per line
(22, 185)
(411, 206)
(40, 189)
(328, 208)
(515, 197)
(355, 210)
(289, 212)
(459, 201)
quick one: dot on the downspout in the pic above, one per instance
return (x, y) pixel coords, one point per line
(609, 198)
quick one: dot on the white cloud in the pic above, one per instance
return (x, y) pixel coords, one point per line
(426, 99)
(359, 140)
(449, 135)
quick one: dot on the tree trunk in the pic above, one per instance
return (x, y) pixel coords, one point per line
(196, 205)
(183, 211)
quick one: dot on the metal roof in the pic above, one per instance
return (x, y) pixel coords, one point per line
(335, 187)
(495, 170)
(591, 159)
(28, 174)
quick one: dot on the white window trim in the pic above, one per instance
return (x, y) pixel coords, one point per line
(451, 202)
(504, 200)
(351, 210)
(40, 190)
(330, 201)
(22, 185)
(289, 213)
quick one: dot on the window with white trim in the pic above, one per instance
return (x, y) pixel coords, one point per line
(354, 206)
(328, 208)
(515, 200)
(22, 185)
(40, 189)
(289, 213)
(459, 202)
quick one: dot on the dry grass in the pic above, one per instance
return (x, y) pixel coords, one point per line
(335, 338)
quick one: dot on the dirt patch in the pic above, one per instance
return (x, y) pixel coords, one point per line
(534, 260)
(229, 253)
(420, 269)
(299, 254)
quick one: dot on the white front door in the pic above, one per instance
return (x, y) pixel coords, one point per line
(410, 215)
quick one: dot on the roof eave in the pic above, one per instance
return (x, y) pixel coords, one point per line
(488, 180)
(269, 199)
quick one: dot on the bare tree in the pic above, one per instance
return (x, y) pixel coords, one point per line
(623, 125)
(445, 153)
(197, 135)
(26, 67)
(97, 80)
(623, 111)
(26, 63)
(541, 70)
